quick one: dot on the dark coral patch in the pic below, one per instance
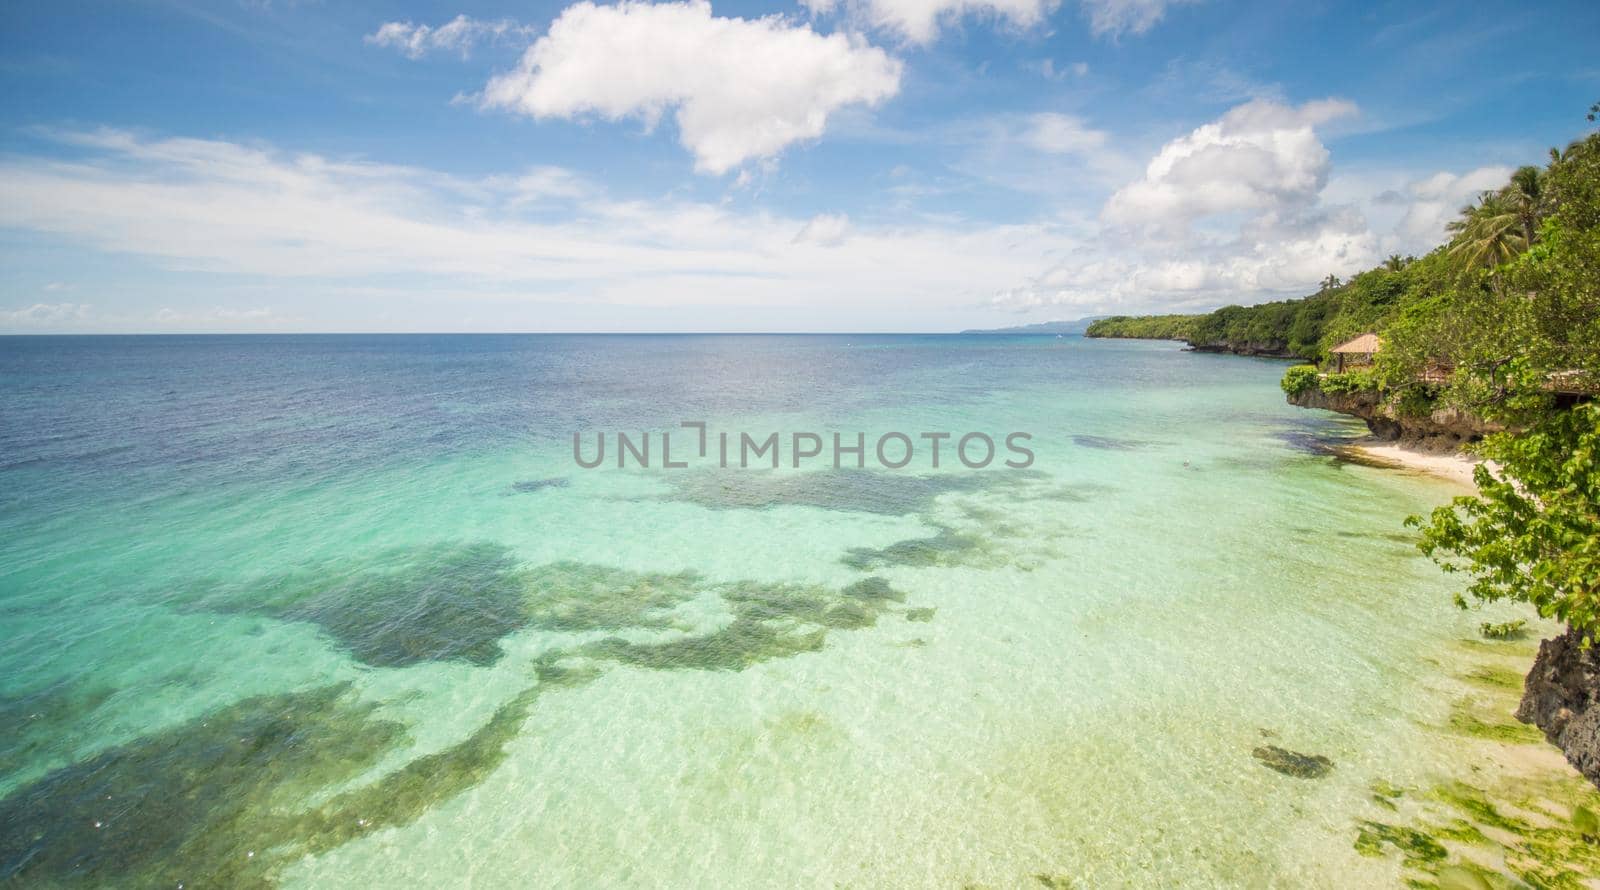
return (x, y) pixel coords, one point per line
(531, 485)
(190, 805)
(574, 596)
(44, 720)
(947, 548)
(769, 621)
(1108, 443)
(222, 800)
(856, 491)
(1293, 763)
(447, 602)
(742, 643)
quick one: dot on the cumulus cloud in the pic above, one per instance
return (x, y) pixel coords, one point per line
(740, 89)
(1260, 156)
(1111, 18)
(919, 21)
(460, 34)
(1234, 211)
(1063, 134)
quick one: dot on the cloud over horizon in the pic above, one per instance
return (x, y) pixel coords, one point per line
(218, 208)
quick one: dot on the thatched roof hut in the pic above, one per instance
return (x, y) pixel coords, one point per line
(1361, 350)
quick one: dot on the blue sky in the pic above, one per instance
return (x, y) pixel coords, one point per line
(264, 165)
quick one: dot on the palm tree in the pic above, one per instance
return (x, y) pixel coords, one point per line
(1395, 262)
(1331, 282)
(1488, 233)
(1525, 194)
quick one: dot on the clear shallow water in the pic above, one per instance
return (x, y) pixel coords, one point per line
(332, 611)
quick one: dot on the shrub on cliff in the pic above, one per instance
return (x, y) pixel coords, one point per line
(1299, 379)
(1536, 539)
(1349, 382)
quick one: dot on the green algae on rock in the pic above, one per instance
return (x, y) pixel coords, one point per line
(1544, 848)
(1494, 677)
(1416, 846)
(1385, 794)
(1471, 719)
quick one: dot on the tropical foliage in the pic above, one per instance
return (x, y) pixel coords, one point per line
(1501, 322)
(1147, 327)
(1532, 533)
(1299, 379)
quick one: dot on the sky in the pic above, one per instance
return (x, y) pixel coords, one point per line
(826, 165)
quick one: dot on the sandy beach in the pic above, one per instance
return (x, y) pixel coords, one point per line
(1457, 467)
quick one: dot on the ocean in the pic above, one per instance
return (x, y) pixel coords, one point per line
(345, 611)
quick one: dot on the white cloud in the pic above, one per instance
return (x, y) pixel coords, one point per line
(1240, 271)
(1431, 203)
(460, 34)
(919, 21)
(310, 228)
(826, 229)
(1261, 156)
(361, 238)
(1115, 17)
(740, 88)
(1047, 69)
(1063, 134)
(1234, 211)
(44, 315)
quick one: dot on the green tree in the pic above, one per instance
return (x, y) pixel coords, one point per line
(1532, 533)
(1525, 194)
(1488, 233)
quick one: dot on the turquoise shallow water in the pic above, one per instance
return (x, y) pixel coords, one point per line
(342, 611)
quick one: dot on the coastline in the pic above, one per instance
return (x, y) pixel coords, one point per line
(1454, 466)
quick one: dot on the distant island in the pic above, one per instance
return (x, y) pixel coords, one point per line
(1077, 326)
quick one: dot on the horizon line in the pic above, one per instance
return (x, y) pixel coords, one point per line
(969, 332)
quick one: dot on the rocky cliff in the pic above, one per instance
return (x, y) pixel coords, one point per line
(1445, 429)
(1562, 698)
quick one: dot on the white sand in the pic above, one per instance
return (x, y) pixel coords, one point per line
(1455, 467)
